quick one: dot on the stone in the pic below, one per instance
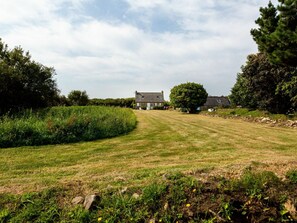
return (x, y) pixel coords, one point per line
(78, 200)
(265, 120)
(90, 201)
(135, 195)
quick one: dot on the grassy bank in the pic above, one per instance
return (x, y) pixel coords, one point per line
(253, 198)
(64, 125)
(246, 113)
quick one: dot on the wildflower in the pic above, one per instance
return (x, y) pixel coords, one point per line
(194, 190)
(99, 219)
(188, 205)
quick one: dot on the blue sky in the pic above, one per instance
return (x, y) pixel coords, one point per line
(110, 48)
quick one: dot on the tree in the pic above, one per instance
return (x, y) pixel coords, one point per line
(271, 76)
(277, 32)
(77, 97)
(189, 96)
(260, 85)
(24, 83)
(241, 94)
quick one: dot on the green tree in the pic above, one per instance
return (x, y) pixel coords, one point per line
(271, 76)
(188, 96)
(277, 32)
(77, 97)
(241, 94)
(260, 85)
(24, 83)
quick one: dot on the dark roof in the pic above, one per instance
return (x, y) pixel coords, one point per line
(149, 97)
(215, 101)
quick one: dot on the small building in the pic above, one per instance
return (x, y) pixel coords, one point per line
(149, 100)
(215, 102)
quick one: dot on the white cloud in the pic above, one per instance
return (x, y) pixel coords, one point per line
(113, 58)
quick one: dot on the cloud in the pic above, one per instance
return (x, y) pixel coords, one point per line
(207, 43)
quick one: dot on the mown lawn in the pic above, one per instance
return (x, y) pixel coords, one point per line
(164, 141)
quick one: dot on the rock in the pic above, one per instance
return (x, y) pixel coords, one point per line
(78, 200)
(90, 201)
(265, 119)
(135, 195)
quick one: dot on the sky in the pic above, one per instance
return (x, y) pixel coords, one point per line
(111, 48)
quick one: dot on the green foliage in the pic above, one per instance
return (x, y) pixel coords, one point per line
(152, 194)
(264, 86)
(189, 96)
(292, 176)
(24, 83)
(277, 40)
(118, 102)
(78, 98)
(241, 94)
(253, 114)
(255, 183)
(277, 32)
(64, 125)
(79, 215)
(268, 81)
(253, 196)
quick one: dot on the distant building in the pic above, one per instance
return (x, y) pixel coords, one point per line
(149, 100)
(216, 101)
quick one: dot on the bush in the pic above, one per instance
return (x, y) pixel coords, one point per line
(64, 125)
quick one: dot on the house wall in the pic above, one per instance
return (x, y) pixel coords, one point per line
(148, 106)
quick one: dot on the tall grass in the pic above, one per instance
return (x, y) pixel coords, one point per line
(64, 124)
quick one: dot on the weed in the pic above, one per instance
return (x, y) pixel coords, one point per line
(292, 176)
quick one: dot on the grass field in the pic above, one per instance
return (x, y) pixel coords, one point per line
(164, 141)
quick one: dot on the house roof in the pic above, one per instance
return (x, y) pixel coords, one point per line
(149, 97)
(214, 101)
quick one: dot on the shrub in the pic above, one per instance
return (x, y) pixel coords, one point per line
(64, 125)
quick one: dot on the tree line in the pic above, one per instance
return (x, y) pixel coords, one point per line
(24, 83)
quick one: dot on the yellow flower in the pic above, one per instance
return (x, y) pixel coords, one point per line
(188, 205)
(99, 219)
(194, 190)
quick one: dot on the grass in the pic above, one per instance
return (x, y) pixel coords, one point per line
(255, 197)
(64, 124)
(244, 112)
(164, 141)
